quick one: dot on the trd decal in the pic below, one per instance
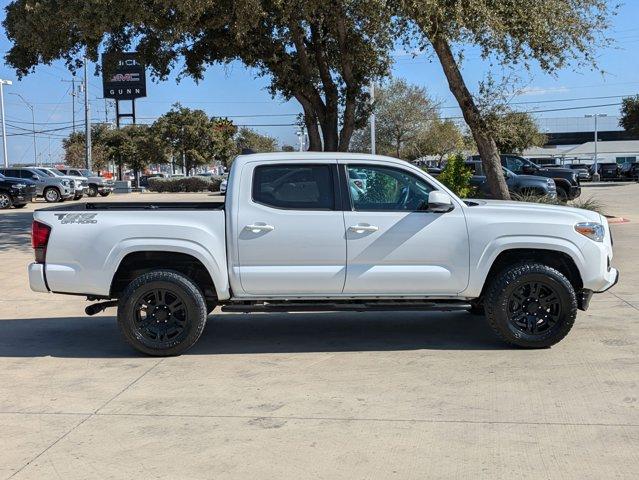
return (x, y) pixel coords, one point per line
(81, 218)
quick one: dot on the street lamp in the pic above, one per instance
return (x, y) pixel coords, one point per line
(4, 132)
(35, 150)
(595, 175)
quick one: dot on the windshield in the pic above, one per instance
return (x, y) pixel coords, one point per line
(45, 172)
(56, 172)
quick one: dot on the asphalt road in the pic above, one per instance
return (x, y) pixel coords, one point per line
(322, 395)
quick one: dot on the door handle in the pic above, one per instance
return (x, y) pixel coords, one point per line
(260, 227)
(360, 228)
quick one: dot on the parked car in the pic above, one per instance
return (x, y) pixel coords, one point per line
(51, 188)
(224, 184)
(517, 184)
(81, 183)
(97, 185)
(16, 192)
(583, 171)
(291, 238)
(608, 171)
(566, 180)
(629, 171)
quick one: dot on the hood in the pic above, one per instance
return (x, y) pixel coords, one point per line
(535, 178)
(527, 208)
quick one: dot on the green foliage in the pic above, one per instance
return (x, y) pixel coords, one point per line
(514, 131)
(249, 138)
(74, 148)
(185, 184)
(403, 112)
(456, 176)
(380, 188)
(630, 114)
(321, 54)
(441, 138)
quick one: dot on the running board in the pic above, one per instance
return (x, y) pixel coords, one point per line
(347, 306)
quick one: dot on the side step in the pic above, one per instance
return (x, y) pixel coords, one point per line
(347, 306)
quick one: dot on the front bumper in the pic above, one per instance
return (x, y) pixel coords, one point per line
(37, 281)
(612, 277)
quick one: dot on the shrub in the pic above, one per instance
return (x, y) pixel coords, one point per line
(456, 176)
(185, 184)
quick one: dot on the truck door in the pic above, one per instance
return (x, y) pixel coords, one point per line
(290, 230)
(395, 246)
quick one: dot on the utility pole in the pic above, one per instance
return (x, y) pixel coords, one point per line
(595, 176)
(87, 119)
(372, 93)
(73, 95)
(35, 150)
(4, 131)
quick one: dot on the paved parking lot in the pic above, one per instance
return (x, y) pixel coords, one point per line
(329, 395)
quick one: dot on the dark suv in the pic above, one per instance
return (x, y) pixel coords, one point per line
(16, 192)
(517, 184)
(566, 180)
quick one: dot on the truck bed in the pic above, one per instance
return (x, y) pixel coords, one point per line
(98, 206)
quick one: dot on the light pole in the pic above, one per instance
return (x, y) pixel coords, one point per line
(372, 92)
(35, 150)
(4, 131)
(595, 175)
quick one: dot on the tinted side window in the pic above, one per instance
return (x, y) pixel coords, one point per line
(376, 188)
(301, 187)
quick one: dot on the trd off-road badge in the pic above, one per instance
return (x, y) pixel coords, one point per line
(81, 218)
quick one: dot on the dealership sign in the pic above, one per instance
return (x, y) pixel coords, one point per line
(123, 76)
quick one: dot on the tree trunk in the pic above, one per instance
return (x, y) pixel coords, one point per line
(483, 138)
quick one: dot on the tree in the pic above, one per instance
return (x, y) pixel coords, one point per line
(442, 138)
(288, 148)
(552, 33)
(402, 111)
(456, 176)
(74, 148)
(514, 131)
(250, 139)
(224, 146)
(630, 115)
(190, 136)
(322, 54)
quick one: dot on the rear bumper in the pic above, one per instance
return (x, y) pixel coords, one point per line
(37, 281)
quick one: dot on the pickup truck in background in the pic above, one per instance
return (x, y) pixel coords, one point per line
(298, 232)
(521, 185)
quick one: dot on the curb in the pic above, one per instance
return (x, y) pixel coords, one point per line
(617, 219)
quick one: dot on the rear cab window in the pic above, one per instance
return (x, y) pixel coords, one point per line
(295, 186)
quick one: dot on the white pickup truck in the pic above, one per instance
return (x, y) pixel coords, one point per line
(324, 231)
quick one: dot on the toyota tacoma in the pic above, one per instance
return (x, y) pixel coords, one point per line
(296, 234)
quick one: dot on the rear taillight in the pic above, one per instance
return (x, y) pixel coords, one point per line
(39, 239)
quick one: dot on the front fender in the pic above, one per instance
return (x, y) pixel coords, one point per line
(512, 242)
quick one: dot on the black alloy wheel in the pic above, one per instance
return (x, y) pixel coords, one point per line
(534, 308)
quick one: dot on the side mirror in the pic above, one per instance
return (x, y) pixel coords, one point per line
(35, 177)
(439, 202)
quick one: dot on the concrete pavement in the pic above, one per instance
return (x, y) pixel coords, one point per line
(321, 395)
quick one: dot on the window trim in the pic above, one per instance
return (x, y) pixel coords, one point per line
(349, 205)
(332, 168)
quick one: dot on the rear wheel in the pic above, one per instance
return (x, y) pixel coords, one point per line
(531, 305)
(162, 313)
(5, 200)
(52, 195)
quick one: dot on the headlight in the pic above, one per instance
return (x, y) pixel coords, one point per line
(594, 231)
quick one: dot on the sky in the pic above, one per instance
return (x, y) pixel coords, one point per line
(238, 93)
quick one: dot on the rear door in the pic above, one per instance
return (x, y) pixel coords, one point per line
(290, 230)
(395, 246)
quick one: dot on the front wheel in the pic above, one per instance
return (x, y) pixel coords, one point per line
(531, 305)
(93, 191)
(5, 200)
(162, 313)
(104, 194)
(52, 195)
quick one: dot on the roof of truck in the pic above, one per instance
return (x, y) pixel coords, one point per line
(310, 156)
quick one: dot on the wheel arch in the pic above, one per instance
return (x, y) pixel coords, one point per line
(557, 252)
(194, 262)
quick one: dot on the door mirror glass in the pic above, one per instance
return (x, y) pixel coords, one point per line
(35, 177)
(439, 202)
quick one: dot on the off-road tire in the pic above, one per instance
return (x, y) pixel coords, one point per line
(498, 296)
(180, 286)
